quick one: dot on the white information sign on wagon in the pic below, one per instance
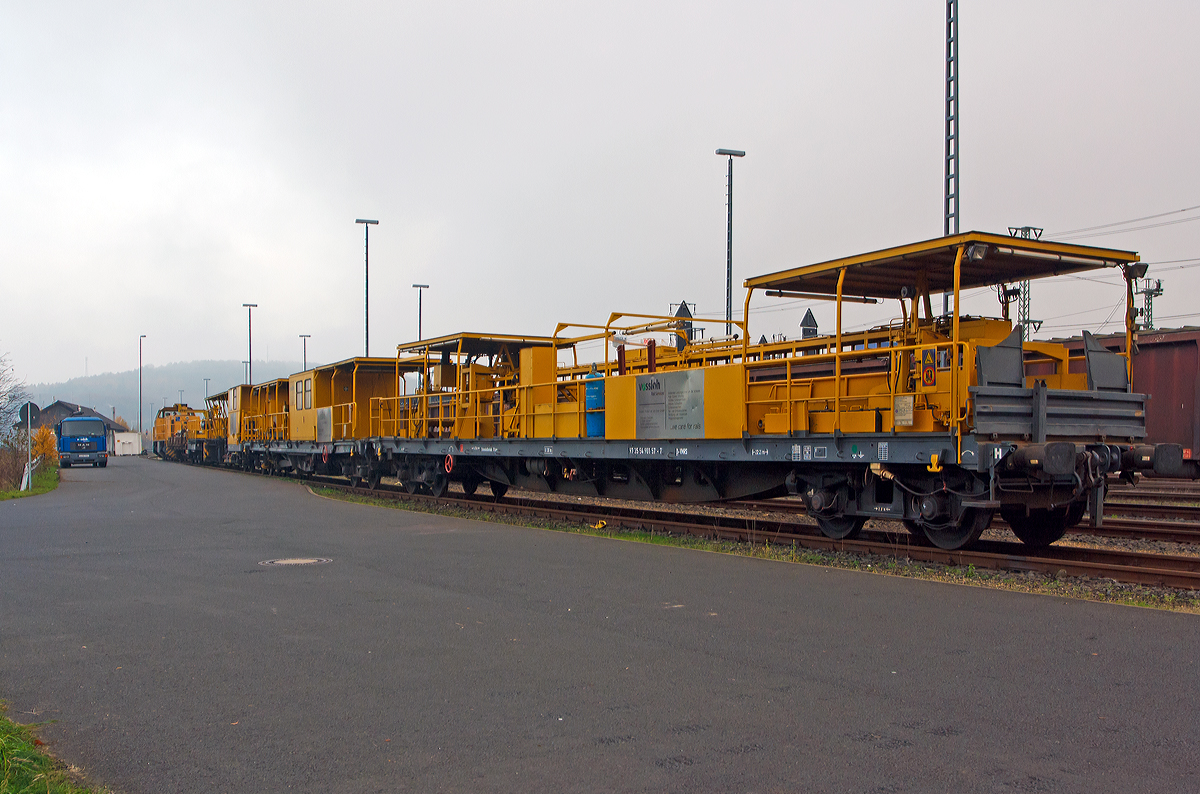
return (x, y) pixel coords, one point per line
(671, 404)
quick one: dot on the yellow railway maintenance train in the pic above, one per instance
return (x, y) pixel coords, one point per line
(937, 421)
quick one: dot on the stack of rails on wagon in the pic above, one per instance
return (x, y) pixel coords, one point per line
(938, 421)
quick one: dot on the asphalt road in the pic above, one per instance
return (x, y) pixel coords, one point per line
(435, 654)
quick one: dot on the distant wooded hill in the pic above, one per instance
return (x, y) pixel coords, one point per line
(119, 390)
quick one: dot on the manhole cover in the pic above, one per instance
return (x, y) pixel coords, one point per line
(297, 561)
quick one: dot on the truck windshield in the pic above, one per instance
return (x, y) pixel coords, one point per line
(82, 427)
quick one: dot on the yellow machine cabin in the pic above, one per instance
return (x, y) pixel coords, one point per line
(334, 402)
(237, 400)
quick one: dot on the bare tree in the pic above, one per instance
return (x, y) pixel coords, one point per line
(12, 450)
(12, 395)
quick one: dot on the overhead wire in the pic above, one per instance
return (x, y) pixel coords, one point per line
(1195, 262)
(1108, 319)
(1122, 223)
(1130, 229)
(1179, 316)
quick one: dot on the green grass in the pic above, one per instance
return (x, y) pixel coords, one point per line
(25, 769)
(1102, 590)
(44, 480)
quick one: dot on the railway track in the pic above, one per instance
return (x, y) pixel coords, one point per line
(1119, 521)
(1147, 509)
(1123, 566)
(1183, 498)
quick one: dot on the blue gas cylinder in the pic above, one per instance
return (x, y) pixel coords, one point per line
(593, 402)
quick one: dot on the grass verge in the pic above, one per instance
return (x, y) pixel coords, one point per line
(25, 769)
(1085, 588)
(44, 480)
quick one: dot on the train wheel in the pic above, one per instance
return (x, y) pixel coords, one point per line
(840, 527)
(1041, 527)
(439, 485)
(498, 489)
(373, 480)
(469, 486)
(412, 486)
(355, 482)
(974, 521)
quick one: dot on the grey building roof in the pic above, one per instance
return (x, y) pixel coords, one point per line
(59, 410)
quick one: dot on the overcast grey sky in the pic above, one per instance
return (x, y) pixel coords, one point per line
(163, 163)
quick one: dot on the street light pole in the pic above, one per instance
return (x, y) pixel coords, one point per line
(731, 153)
(140, 338)
(181, 396)
(304, 338)
(206, 380)
(367, 283)
(420, 291)
(250, 307)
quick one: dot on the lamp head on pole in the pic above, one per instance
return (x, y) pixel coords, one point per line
(731, 152)
(364, 220)
(420, 286)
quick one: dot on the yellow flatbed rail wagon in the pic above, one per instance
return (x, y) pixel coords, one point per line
(936, 421)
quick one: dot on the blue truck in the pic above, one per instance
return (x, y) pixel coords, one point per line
(82, 440)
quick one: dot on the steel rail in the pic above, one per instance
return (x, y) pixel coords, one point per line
(1148, 510)
(1152, 497)
(1115, 525)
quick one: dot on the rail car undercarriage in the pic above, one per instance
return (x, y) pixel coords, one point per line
(1040, 490)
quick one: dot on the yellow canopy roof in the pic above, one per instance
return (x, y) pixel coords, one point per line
(479, 344)
(992, 259)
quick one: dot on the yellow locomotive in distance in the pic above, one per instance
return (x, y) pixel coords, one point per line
(196, 436)
(939, 421)
(174, 425)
